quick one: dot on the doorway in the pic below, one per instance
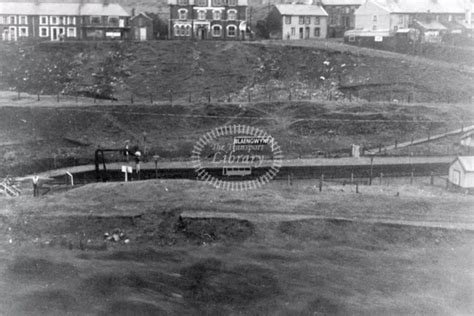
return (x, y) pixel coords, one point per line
(143, 34)
(57, 33)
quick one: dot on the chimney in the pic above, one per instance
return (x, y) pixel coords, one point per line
(468, 7)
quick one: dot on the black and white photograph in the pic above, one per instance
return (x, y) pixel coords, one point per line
(236, 157)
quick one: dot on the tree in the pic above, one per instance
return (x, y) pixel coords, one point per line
(160, 27)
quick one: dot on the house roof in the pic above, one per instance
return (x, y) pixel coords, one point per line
(432, 25)
(57, 8)
(423, 6)
(300, 9)
(467, 163)
(142, 14)
(343, 2)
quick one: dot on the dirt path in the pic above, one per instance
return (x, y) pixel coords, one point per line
(280, 216)
(420, 140)
(349, 161)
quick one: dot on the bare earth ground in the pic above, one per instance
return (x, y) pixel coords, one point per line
(259, 253)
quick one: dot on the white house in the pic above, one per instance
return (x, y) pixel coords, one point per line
(427, 15)
(461, 172)
(300, 21)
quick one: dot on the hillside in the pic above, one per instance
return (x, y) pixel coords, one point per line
(47, 137)
(227, 71)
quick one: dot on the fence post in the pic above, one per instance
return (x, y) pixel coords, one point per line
(371, 169)
(411, 177)
(357, 187)
(396, 144)
(321, 183)
(431, 178)
(381, 178)
(447, 183)
(352, 177)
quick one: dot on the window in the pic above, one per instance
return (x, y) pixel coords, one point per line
(54, 20)
(332, 20)
(12, 19)
(95, 19)
(12, 33)
(231, 30)
(216, 30)
(43, 20)
(182, 2)
(216, 15)
(182, 30)
(201, 15)
(201, 3)
(71, 20)
(374, 27)
(307, 20)
(374, 18)
(113, 20)
(232, 15)
(62, 20)
(217, 3)
(23, 31)
(317, 32)
(231, 3)
(400, 19)
(23, 20)
(292, 31)
(182, 14)
(44, 31)
(317, 20)
(176, 30)
(301, 19)
(352, 38)
(71, 32)
(287, 19)
(188, 30)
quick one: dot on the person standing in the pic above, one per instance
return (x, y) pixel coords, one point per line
(126, 151)
(35, 186)
(138, 155)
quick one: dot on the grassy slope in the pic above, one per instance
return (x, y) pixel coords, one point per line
(301, 128)
(227, 266)
(230, 69)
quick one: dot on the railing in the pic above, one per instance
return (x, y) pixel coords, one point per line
(9, 189)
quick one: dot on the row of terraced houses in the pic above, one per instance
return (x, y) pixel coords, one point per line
(57, 20)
